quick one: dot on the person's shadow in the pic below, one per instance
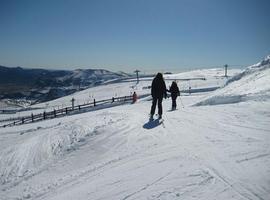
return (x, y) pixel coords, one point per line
(151, 124)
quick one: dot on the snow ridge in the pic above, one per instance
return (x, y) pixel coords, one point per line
(251, 84)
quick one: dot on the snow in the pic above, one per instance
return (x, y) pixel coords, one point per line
(252, 83)
(213, 78)
(218, 151)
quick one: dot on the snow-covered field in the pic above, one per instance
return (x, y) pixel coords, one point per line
(212, 148)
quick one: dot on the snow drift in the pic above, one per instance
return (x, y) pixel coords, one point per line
(252, 84)
(38, 147)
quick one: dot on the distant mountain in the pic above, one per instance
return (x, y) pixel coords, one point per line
(41, 85)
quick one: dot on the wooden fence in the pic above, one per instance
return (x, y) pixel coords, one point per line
(68, 110)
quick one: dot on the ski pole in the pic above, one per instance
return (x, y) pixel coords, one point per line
(181, 101)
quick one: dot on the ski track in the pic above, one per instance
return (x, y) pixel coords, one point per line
(147, 186)
(246, 193)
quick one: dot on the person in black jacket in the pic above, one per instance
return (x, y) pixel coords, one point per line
(174, 90)
(158, 91)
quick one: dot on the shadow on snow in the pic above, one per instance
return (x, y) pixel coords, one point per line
(152, 124)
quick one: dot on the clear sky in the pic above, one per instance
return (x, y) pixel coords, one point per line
(133, 34)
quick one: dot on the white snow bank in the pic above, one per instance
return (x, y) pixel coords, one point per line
(265, 61)
(26, 157)
(252, 84)
(36, 148)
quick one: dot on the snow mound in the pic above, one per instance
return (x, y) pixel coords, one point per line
(37, 148)
(251, 84)
(31, 154)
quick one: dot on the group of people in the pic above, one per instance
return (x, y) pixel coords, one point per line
(158, 91)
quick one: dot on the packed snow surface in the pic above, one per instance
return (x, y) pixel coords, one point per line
(196, 152)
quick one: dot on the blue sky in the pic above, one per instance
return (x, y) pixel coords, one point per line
(129, 34)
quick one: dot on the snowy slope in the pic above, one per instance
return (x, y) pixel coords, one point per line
(252, 84)
(207, 152)
(212, 78)
(9, 105)
(116, 154)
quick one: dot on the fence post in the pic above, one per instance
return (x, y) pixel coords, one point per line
(53, 114)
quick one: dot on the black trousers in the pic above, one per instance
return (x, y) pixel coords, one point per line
(174, 101)
(154, 103)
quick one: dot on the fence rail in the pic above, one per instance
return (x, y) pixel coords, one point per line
(67, 110)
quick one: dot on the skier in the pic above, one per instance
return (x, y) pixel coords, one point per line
(158, 91)
(174, 90)
(134, 97)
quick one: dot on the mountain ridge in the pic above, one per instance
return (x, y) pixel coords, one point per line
(39, 85)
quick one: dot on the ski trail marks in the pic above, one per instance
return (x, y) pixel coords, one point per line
(252, 158)
(147, 186)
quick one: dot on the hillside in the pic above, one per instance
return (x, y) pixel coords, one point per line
(39, 85)
(251, 84)
(212, 78)
(219, 151)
